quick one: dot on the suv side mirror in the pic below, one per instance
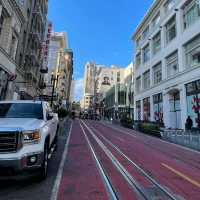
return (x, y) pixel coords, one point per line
(49, 116)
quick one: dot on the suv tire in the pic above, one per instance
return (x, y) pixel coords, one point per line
(44, 168)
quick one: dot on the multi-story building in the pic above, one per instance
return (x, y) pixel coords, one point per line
(108, 89)
(29, 56)
(119, 98)
(89, 84)
(98, 79)
(72, 91)
(167, 63)
(60, 68)
(12, 19)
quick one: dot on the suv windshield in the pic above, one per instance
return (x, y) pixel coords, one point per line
(21, 110)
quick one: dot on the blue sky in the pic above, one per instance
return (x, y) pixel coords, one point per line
(98, 30)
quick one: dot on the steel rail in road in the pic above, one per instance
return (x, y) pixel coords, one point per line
(109, 187)
(152, 180)
(127, 176)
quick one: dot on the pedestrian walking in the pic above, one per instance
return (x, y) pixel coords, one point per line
(189, 123)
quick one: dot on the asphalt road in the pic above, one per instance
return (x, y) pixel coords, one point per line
(32, 189)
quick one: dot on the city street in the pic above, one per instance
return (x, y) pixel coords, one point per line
(107, 161)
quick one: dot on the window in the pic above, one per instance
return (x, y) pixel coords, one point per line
(158, 107)
(138, 110)
(191, 12)
(145, 33)
(138, 59)
(156, 20)
(171, 29)
(146, 80)
(174, 102)
(146, 54)
(13, 46)
(193, 101)
(138, 84)
(118, 77)
(3, 16)
(172, 64)
(157, 73)
(156, 43)
(146, 109)
(138, 42)
(21, 110)
(169, 5)
(192, 52)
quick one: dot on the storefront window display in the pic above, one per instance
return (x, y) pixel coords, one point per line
(193, 102)
(158, 107)
(138, 110)
(146, 109)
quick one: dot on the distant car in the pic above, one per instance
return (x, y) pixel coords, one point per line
(28, 131)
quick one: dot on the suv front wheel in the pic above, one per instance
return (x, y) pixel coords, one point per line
(44, 168)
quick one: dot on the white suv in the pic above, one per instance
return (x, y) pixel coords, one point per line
(28, 131)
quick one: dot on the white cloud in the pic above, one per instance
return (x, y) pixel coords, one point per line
(78, 89)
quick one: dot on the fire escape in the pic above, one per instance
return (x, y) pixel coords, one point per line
(34, 57)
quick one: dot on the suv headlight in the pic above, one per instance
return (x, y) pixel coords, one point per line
(31, 137)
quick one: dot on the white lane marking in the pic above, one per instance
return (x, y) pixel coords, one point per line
(169, 143)
(55, 190)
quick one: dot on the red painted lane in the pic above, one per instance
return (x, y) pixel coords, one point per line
(151, 159)
(126, 164)
(81, 179)
(120, 185)
(177, 152)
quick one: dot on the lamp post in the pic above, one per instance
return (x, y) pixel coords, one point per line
(53, 81)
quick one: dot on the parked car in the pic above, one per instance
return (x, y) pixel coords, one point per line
(28, 135)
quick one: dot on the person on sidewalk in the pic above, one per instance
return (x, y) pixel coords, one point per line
(189, 123)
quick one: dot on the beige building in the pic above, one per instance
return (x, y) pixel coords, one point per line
(11, 20)
(60, 65)
(29, 58)
(119, 98)
(98, 79)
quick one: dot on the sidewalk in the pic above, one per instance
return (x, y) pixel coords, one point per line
(188, 139)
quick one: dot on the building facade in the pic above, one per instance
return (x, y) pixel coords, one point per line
(89, 85)
(60, 69)
(12, 19)
(119, 98)
(98, 79)
(29, 58)
(167, 63)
